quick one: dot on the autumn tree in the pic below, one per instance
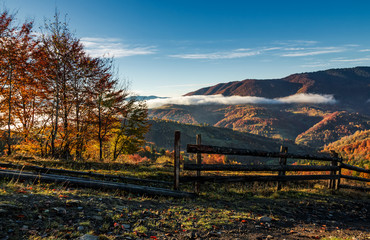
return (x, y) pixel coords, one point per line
(129, 133)
(16, 48)
(58, 98)
(108, 101)
(64, 55)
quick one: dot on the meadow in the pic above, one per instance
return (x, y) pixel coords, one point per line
(307, 210)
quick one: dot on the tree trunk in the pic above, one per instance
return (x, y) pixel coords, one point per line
(99, 133)
(78, 128)
(55, 126)
(8, 140)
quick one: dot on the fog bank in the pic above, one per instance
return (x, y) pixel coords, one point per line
(234, 100)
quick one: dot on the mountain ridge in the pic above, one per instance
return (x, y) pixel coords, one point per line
(350, 86)
(312, 125)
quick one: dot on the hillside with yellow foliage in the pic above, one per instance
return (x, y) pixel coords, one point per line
(355, 149)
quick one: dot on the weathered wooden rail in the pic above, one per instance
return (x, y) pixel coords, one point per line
(334, 177)
(85, 174)
(92, 183)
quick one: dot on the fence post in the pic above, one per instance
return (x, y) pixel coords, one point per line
(282, 162)
(199, 162)
(176, 160)
(339, 174)
(332, 182)
(332, 173)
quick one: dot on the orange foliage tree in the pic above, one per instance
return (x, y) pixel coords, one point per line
(58, 100)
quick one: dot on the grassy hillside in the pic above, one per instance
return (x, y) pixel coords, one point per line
(204, 114)
(268, 121)
(308, 125)
(37, 210)
(333, 127)
(162, 134)
(355, 149)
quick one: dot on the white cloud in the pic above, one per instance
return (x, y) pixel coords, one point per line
(237, 53)
(233, 100)
(113, 47)
(297, 43)
(294, 49)
(351, 60)
(365, 50)
(308, 98)
(352, 45)
(271, 48)
(302, 52)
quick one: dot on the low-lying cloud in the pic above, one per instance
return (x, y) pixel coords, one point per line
(308, 98)
(234, 100)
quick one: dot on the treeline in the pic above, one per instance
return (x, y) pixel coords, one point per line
(56, 100)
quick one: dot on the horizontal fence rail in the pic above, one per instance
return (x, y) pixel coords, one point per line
(255, 168)
(354, 168)
(91, 183)
(355, 178)
(192, 148)
(259, 178)
(80, 173)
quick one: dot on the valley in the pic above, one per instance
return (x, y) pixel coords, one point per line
(304, 126)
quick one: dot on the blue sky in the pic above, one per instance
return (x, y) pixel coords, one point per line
(171, 47)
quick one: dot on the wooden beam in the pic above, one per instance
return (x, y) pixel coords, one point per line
(176, 160)
(354, 168)
(256, 178)
(89, 183)
(199, 163)
(257, 168)
(80, 173)
(192, 148)
(355, 178)
(282, 162)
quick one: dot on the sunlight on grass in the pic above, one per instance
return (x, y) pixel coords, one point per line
(113, 212)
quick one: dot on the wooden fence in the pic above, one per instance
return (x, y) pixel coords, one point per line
(334, 168)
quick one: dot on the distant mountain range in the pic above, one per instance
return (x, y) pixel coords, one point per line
(350, 86)
(306, 124)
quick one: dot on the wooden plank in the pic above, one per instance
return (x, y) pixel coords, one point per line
(354, 168)
(332, 181)
(255, 178)
(339, 174)
(282, 162)
(176, 161)
(364, 189)
(80, 173)
(191, 148)
(257, 168)
(355, 178)
(89, 183)
(199, 163)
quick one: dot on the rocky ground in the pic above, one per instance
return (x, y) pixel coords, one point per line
(34, 211)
